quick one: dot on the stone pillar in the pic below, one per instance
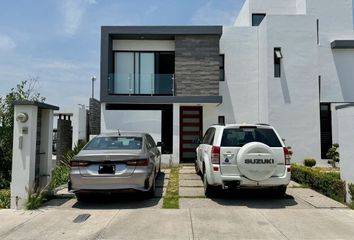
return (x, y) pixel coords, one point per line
(94, 117)
(32, 150)
(64, 133)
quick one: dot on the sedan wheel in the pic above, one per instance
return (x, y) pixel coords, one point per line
(151, 192)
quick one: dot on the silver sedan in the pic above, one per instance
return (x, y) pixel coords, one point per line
(116, 161)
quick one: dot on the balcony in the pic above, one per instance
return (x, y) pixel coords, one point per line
(141, 84)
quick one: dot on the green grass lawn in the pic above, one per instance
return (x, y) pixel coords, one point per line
(171, 199)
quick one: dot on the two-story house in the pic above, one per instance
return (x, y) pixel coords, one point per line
(162, 80)
(284, 62)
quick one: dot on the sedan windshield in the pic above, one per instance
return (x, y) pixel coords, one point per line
(114, 143)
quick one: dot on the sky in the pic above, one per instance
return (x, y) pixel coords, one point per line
(58, 41)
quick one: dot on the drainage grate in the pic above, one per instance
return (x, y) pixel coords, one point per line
(81, 218)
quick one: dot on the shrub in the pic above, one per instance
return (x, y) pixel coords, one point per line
(327, 183)
(60, 174)
(5, 198)
(34, 201)
(351, 191)
(333, 154)
(4, 183)
(309, 162)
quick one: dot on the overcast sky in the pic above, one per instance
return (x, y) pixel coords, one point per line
(58, 41)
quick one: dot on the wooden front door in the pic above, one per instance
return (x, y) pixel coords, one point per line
(191, 128)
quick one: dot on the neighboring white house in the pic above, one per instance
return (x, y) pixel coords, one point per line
(287, 63)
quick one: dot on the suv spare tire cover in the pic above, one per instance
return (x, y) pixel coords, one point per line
(256, 161)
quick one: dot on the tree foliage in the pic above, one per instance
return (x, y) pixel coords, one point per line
(25, 90)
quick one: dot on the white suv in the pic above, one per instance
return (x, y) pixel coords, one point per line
(243, 155)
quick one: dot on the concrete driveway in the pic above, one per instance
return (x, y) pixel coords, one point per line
(303, 214)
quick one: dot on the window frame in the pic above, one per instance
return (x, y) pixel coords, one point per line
(208, 138)
(253, 20)
(277, 62)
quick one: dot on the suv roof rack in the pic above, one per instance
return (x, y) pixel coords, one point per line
(218, 124)
(262, 124)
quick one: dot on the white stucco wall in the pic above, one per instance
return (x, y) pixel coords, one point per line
(23, 159)
(301, 6)
(210, 116)
(294, 98)
(269, 7)
(132, 120)
(79, 124)
(346, 144)
(335, 16)
(24, 154)
(252, 94)
(243, 19)
(240, 90)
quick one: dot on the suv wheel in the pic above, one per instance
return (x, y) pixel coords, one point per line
(197, 170)
(209, 191)
(280, 191)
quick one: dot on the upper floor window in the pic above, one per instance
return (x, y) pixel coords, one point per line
(277, 62)
(257, 19)
(149, 73)
(222, 67)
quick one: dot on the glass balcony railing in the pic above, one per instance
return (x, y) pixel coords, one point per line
(141, 84)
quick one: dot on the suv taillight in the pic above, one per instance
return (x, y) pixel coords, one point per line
(286, 156)
(215, 155)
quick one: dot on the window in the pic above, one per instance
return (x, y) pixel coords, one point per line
(221, 120)
(326, 128)
(277, 62)
(150, 142)
(142, 73)
(114, 143)
(221, 67)
(257, 19)
(237, 137)
(318, 31)
(209, 137)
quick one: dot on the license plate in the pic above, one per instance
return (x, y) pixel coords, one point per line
(106, 169)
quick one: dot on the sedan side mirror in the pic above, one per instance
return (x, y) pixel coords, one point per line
(160, 144)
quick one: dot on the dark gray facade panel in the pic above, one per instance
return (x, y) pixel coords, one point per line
(106, 63)
(197, 65)
(342, 44)
(159, 31)
(162, 99)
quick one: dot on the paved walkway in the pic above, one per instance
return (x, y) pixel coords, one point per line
(303, 214)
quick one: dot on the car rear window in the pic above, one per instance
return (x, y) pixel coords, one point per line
(114, 143)
(237, 137)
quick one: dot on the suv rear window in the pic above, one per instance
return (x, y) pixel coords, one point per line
(237, 137)
(114, 143)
